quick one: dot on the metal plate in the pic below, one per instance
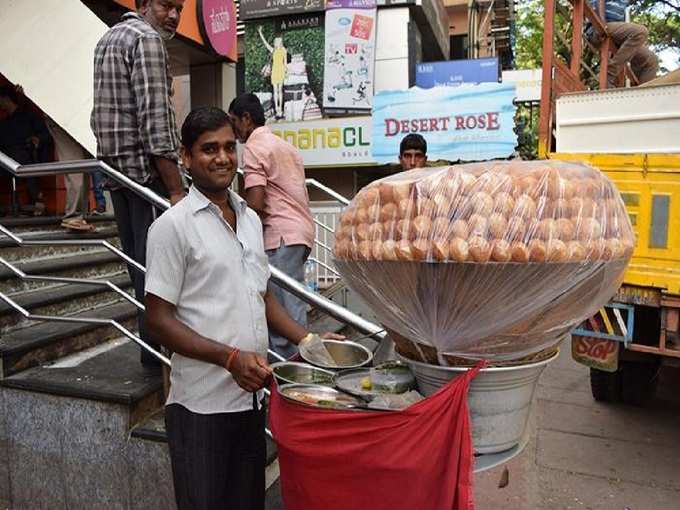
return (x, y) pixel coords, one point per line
(349, 381)
(320, 397)
(294, 372)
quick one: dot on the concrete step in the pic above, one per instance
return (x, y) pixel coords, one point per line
(55, 264)
(109, 373)
(28, 223)
(12, 252)
(103, 268)
(65, 434)
(59, 300)
(27, 347)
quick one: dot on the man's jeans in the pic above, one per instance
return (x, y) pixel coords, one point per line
(98, 188)
(631, 41)
(134, 216)
(291, 260)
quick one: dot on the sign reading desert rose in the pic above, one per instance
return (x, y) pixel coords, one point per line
(466, 122)
(217, 22)
(330, 142)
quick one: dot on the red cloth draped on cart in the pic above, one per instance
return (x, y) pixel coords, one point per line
(418, 458)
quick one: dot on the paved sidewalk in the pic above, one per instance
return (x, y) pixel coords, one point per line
(588, 455)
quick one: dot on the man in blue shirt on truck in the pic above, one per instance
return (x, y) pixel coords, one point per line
(631, 41)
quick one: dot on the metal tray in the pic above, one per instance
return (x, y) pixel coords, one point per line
(320, 397)
(349, 381)
(295, 372)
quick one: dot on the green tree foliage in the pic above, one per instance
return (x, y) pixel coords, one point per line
(661, 17)
(529, 34)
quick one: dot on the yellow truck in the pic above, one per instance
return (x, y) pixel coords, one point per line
(633, 135)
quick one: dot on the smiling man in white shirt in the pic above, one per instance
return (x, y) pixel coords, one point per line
(207, 301)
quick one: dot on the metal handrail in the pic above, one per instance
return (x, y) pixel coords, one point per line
(86, 166)
(74, 242)
(322, 187)
(85, 320)
(329, 191)
(84, 281)
(278, 277)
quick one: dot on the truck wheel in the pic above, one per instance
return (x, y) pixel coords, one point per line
(605, 386)
(638, 381)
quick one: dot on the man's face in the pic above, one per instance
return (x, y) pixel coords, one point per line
(212, 160)
(163, 15)
(412, 158)
(242, 126)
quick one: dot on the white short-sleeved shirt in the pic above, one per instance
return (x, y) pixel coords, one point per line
(217, 280)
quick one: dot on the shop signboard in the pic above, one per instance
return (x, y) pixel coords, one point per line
(466, 123)
(349, 55)
(253, 9)
(284, 66)
(217, 24)
(343, 141)
(527, 83)
(456, 72)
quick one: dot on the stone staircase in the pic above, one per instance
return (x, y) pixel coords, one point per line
(70, 392)
(81, 423)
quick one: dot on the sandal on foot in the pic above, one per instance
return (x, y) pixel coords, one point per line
(77, 224)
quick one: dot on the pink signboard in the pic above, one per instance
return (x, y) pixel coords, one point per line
(217, 22)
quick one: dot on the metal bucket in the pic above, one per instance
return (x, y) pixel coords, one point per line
(499, 399)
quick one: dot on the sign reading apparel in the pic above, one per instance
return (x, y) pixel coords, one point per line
(466, 122)
(217, 23)
(332, 142)
(252, 9)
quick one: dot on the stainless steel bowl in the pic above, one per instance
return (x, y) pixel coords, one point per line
(294, 372)
(346, 355)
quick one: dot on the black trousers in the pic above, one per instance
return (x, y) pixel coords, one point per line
(134, 216)
(218, 460)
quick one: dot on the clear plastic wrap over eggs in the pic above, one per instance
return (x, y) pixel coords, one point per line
(493, 260)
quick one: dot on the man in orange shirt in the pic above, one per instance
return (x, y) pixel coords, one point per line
(276, 190)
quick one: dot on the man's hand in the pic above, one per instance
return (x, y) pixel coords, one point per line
(328, 335)
(250, 371)
(176, 197)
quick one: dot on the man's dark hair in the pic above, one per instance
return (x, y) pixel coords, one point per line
(9, 92)
(201, 120)
(248, 103)
(413, 141)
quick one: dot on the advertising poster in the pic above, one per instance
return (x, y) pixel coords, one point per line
(463, 123)
(330, 142)
(350, 55)
(284, 66)
(252, 9)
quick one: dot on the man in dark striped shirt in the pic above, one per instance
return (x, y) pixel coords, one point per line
(631, 41)
(134, 122)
